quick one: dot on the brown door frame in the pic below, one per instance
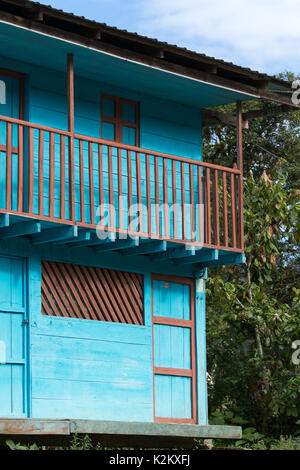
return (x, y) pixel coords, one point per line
(191, 373)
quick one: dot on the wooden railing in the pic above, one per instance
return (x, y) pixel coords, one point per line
(59, 176)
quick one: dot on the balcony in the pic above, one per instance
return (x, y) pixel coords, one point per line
(72, 184)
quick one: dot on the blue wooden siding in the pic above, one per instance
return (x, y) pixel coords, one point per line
(13, 373)
(172, 349)
(165, 126)
(90, 369)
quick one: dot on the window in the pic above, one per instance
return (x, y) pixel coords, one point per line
(76, 291)
(120, 120)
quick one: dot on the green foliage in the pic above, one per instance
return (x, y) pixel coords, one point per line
(253, 311)
(19, 446)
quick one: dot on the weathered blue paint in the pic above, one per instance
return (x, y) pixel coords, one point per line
(201, 351)
(13, 332)
(172, 349)
(84, 369)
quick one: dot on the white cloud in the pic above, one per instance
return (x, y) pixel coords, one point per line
(262, 34)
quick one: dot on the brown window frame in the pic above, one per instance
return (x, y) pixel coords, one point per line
(118, 121)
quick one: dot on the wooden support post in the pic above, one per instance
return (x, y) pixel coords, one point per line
(70, 85)
(239, 117)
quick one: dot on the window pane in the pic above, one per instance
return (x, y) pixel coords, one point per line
(129, 135)
(108, 131)
(128, 112)
(108, 108)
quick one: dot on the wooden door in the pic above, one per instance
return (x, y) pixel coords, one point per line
(174, 365)
(13, 337)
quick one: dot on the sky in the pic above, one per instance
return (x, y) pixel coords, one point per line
(261, 34)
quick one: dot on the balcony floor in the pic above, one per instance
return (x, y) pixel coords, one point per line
(40, 232)
(130, 434)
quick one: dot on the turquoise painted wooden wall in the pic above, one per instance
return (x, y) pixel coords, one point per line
(84, 368)
(165, 126)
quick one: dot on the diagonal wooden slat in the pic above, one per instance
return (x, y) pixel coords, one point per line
(92, 293)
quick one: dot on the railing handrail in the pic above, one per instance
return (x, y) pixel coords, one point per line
(35, 126)
(111, 143)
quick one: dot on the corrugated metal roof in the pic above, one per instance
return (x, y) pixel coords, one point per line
(154, 41)
(134, 41)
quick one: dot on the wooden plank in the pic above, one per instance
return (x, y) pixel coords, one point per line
(225, 208)
(41, 172)
(120, 200)
(216, 209)
(20, 229)
(70, 100)
(8, 165)
(81, 182)
(51, 174)
(4, 220)
(192, 203)
(54, 234)
(233, 209)
(157, 214)
(172, 321)
(183, 202)
(111, 190)
(139, 192)
(166, 206)
(201, 256)
(240, 167)
(34, 426)
(20, 167)
(172, 371)
(30, 170)
(146, 248)
(129, 182)
(174, 197)
(117, 245)
(62, 195)
(91, 184)
(148, 194)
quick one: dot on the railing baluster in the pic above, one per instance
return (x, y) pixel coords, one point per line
(81, 182)
(100, 178)
(91, 184)
(200, 204)
(129, 182)
(111, 190)
(30, 170)
(139, 192)
(183, 202)
(62, 177)
(157, 214)
(41, 172)
(225, 209)
(51, 174)
(174, 197)
(216, 209)
(166, 206)
(233, 209)
(192, 203)
(20, 167)
(148, 193)
(8, 165)
(120, 201)
(208, 208)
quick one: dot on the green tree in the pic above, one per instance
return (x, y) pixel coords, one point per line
(253, 310)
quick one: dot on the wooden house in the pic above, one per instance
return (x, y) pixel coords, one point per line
(109, 218)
